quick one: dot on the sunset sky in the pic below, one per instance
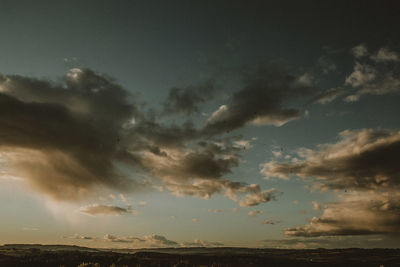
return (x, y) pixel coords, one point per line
(130, 124)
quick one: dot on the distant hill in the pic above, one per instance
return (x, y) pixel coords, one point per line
(47, 247)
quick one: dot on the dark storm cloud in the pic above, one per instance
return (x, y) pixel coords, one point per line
(64, 137)
(360, 160)
(187, 100)
(97, 209)
(265, 99)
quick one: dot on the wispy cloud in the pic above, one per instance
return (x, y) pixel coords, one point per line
(147, 240)
(201, 243)
(254, 213)
(98, 209)
(81, 237)
(187, 100)
(374, 77)
(270, 222)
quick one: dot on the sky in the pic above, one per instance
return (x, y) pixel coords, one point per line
(135, 124)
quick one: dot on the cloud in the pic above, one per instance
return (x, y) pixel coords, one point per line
(361, 163)
(242, 144)
(123, 198)
(385, 85)
(64, 137)
(159, 241)
(359, 51)
(385, 54)
(126, 239)
(215, 210)
(361, 160)
(361, 75)
(263, 100)
(316, 205)
(147, 240)
(358, 213)
(148, 134)
(186, 100)
(97, 209)
(271, 222)
(259, 197)
(332, 242)
(305, 79)
(205, 188)
(69, 139)
(142, 203)
(327, 96)
(277, 153)
(201, 243)
(199, 171)
(254, 213)
(82, 237)
(326, 64)
(209, 161)
(375, 78)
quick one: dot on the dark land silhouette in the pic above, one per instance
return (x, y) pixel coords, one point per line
(20, 255)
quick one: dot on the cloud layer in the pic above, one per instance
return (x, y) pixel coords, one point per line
(97, 209)
(187, 100)
(71, 138)
(363, 164)
(145, 241)
(360, 160)
(266, 98)
(64, 137)
(358, 213)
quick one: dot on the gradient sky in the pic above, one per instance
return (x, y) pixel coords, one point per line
(200, 123)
